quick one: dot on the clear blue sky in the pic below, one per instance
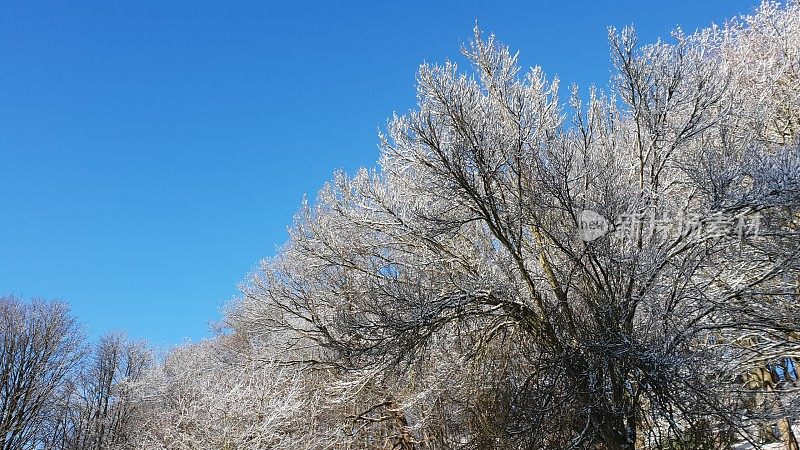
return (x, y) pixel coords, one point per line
(151, 153)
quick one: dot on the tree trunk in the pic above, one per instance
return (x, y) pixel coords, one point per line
(615, 433)
(787, 435)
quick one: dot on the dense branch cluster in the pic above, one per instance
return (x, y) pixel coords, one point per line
(618, 270)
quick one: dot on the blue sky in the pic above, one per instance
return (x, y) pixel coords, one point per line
(151, 153)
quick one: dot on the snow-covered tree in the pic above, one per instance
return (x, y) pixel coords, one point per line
(212, 396)
(522, 272)
(98, 410)
(40, 347)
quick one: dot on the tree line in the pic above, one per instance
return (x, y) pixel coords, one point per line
(58, 392)
(611, 269)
